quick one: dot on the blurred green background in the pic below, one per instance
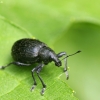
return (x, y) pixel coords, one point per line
(65, 25)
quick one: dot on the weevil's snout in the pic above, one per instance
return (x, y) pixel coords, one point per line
(59, 63)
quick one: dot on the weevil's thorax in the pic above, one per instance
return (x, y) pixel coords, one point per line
(47, 55)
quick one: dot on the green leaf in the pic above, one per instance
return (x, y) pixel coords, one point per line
(65, 25)
(15, 82)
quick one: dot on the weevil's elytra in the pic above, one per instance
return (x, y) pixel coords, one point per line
(26, 52)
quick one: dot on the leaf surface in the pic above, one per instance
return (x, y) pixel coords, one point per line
(15, 82)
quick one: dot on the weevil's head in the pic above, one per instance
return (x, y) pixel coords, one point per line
(47, 55)
(58, 63)
(55, 59)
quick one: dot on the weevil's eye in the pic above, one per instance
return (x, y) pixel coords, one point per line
(58, 63)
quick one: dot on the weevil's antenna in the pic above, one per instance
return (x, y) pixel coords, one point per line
(72, 54)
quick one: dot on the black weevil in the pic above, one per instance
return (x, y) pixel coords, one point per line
(26, 52)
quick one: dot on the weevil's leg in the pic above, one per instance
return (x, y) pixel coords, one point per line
(14, 63)
(43, 84)
(60, 55)
(35, 70)
(3, 67)
(21, 64)
(65, 68)
(34, 85)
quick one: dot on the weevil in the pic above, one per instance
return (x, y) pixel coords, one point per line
(27, 51)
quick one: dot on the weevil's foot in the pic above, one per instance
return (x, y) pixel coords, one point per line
(33, 87)
(2, 67)
(43, 90)
(65, 70)
(67, 75)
